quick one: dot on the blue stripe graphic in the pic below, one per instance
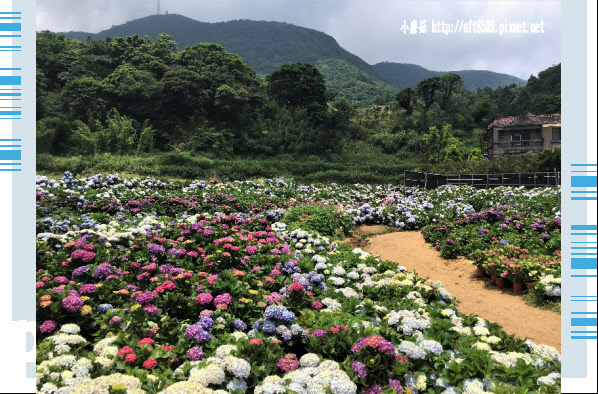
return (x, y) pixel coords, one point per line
(10, 154)
(583, 322)
(10, 27)
(583, 227)
(10, 80)
(583, 181)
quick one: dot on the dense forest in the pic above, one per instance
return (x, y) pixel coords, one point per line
(266, 46)
(134, 95)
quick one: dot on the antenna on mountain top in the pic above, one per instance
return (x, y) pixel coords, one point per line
(158, 12)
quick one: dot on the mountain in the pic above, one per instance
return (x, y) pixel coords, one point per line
(354, 84)
(405, 75)
(265, 46)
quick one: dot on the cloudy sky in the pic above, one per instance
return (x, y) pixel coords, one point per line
(370, 29)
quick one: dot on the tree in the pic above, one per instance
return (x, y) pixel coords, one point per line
(183, 96)
(550, 159)
(135, 92)
(298, 85)
(405, 99)
(426, 89)
(442, 146)
(481, 110)
(447, 85)
(84, 98)
(215, 67)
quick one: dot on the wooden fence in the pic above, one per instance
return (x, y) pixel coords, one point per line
(483, 181)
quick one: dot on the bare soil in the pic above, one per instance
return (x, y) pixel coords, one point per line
(475, 296)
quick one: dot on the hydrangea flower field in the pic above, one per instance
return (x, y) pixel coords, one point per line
(146, 285)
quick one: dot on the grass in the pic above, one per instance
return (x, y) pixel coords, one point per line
(358, 166)
(537, 299)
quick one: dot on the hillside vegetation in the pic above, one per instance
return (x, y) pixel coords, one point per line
(266, 46)
(404, 75)
(132, 102)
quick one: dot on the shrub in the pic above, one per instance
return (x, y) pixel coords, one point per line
(325, 219)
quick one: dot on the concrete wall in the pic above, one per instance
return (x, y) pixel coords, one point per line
(547, 134)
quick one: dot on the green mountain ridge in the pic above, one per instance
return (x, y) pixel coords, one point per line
(266, 46)
(405, 75)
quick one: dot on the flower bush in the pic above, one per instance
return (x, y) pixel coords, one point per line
(145, 285)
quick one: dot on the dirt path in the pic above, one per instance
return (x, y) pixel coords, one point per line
(476, 296)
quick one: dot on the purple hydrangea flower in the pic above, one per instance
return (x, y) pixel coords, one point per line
(195, 353)
(87, 289)
(359, 369)
(145, 297)
(72, 303)
(375, 389)
(191, 331)
(48, 326)
(206, 323)
(102, 271)
(395, 384)
(202, 336)
(155, 249)
(239, 325)
(80, 271)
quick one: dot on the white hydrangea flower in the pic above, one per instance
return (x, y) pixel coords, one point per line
(353, 275)
(482, 346)
(331, 304)
(98, 347)
(186, 387)
(104, 362)
(224, 350)
(211, 374)
(62, 349)
(338, 271)
(481, 331)
(70, 329)
(48, 388)
(309, 360)
(237, 384)
(239, 367)
(348, 292)
(66, 360)
(239, 335)
(550, 379)
(343, 386)
(82, 367)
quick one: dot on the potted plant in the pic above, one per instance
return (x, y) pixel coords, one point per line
(519, 275)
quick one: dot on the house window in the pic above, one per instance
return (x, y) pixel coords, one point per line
(556, 134)
(520, 136)
(502, 135)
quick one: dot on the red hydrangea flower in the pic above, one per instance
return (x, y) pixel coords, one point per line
(146, 341)
(297, 287)
(149, 364)
(125, 350)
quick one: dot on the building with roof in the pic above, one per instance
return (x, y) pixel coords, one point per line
(516, 135)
